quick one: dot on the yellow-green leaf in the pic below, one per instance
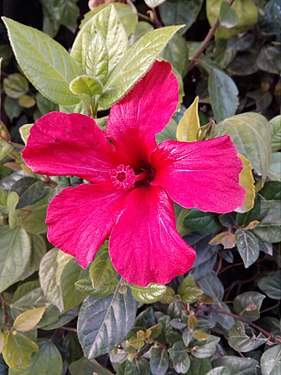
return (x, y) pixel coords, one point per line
(29, 319)
(12, 202)
(189, 125)
(150, 294)
(227, 239)
(18, 350)
(1, 341)
(24, 132)
(246, 180)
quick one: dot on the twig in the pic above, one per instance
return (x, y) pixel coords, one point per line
(206, 41)
(270, 336)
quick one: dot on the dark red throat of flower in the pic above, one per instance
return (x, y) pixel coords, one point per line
(124, 177)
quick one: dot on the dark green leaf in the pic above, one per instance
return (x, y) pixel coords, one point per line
(271, 361)
(99, 328)
(212, 286)
(159, 361)
(238, 366)
(202, 222)
(248, 246)
(241, 342)
(86, 367)
(199, 366)
(101, 270)
(269, 59)
(30, 190)
(206, 348)
(219, 371)
(176, 52)
(271, 285)
(248, 305)
(268, 230)
(179, 357)
(12, 108)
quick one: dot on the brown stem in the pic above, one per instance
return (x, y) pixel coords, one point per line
(206, 41)
(270, 336)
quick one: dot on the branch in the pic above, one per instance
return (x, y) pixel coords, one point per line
(206, 41)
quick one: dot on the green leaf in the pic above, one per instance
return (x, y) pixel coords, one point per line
(15, 85)
(24, 132)
(18, 350)
(248, 305)
(189, 290)
(44, 105)
(228, 16)
(189, 125)
(271, 191)
(32, 218)
(219, 371)
(212, 286)
(135, 63)
(50, 69)
(202, 222)
(247, 13)
(29, 319)
(97, 59)
(153, 3)
(180, 12)
(199, 366)
(271, 361)
(176, 52)
(99, 329)
(238, 366)
(12, 108)
(245, 130)
(269, 59)
(112, 37)
(270, 285)
(159, 361)
(30, 190)
(241, 342)
(12, 202)
(179, 357)
(38, 250)
(101, 270)
(274, 170)
(50, 271)
(86, 367)
(150, 294)
(268, 230)
(246, 180)
(275, 125)
(85, 85)
(248, 246)
(223, 94)
(47, 361)
(15, 252)
(5, 148)
(207, 349)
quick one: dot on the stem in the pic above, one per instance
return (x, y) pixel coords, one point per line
(206, 41)
(270, 336)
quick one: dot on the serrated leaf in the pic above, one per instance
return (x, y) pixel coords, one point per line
(271, 361)
(15, 252)
(47, 361)
(223, 94)
(189, 125)
(15, 85)
(135, 63)
(24, 132)
(248, 305)
(18, 350)
(50, 69)
(150, 294)
(248, 246)
(246, 180)
(51, 268)
(241, 342)
(29, 319)
(99, 329)
(180, 358)
(271, 285)
(275, 125)
(96, 59)
(245, 130)
(159, 361)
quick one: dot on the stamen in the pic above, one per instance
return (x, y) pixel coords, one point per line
(123, 177)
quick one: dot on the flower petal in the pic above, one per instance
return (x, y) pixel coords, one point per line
(136, 119)
(144, 246)
(201, 174)
(79, 219)
(69, 144)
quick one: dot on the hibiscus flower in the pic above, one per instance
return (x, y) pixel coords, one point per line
(133, 181)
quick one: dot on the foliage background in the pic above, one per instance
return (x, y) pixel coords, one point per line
(224, 318)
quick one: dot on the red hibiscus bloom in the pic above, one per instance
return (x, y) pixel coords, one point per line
(133, 181)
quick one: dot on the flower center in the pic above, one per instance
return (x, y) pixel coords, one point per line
(124, 177)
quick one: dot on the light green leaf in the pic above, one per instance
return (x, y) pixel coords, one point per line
(50, 69)
(99, 329)
(15, 252)
(248, 246)
(274, 170)
(86, 367)
(135, 63)
(26, 101)
(271, 285)
(275, 125)
(50, 271)
(85, 85)
(241, 342)
(5, 148)
(271, 361)
(24, 132)
(101, 270)
(112, 36)
(228, 16)
(189, 125)
(18, 350)
(141, 29)
(248, 305)
(180, 12)
(223, 94)
(246, 180)
(245, 130)
(15, 85)
(96, 58)
(12, 202)
(29, 319)
(153, 3)
(38, 249)
(159, 361)
(247, 13)
(150, 294)
(47, 361)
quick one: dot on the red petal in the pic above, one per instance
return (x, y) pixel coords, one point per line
(144, 245)
(81, 218)
(69, 144)
(136, 119)
(200, 174)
